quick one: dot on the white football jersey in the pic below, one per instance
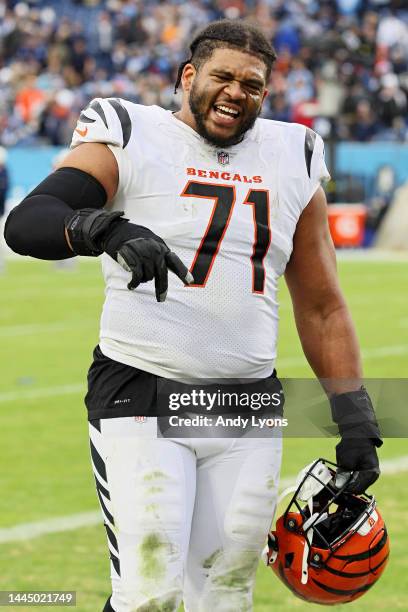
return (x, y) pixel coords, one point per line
(230, 215)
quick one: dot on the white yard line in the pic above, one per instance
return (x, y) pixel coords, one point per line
(388, 467)
(12, 396)
(373, 353)
(28, 531)
(39, 328)
(363, 255)
(25, 293)
(385, 351)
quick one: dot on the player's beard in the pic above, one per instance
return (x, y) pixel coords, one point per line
(199, 106)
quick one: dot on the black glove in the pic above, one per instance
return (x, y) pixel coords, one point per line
(356, 452)
(136, 248)
(148, 258)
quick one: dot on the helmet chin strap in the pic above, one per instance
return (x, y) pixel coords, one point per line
(308, 526)
(286, 492)
(309, 537)
(267, 556)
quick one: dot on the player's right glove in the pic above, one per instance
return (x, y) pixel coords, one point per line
(360, 436)
(136, 248)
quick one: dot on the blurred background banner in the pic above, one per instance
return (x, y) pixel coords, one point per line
(27, 166)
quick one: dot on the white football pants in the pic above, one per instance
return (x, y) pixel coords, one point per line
(186, 519)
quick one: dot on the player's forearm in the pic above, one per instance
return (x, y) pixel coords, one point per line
(330, 345)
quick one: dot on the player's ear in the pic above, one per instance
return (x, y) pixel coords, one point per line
(264, 95)
(187, 77)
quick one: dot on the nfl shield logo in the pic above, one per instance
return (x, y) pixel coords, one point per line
(223, 157)
(140, 419)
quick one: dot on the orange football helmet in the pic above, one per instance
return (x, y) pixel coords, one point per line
(329, 546)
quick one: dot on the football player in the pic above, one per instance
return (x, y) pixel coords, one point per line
(227, 202)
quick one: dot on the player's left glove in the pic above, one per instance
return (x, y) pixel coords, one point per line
(136, 248)
(360, 436)
(148, 258)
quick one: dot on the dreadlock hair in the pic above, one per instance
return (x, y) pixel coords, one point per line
(228, 34)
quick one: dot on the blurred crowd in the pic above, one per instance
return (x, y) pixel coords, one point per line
(342, 65)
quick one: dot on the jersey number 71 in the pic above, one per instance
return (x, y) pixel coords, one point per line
(224, 199)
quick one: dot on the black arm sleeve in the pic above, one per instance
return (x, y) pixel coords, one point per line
(36, 226)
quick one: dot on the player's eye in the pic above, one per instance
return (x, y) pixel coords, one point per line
(253, 88)
(220, 78)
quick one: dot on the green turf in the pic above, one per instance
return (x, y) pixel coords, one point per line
(48, 327)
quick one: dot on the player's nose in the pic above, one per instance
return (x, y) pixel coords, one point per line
(235, 90)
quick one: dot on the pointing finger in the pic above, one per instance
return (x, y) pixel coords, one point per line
(161, 280)
(175, 264)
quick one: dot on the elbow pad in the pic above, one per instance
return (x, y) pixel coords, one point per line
(36, 226)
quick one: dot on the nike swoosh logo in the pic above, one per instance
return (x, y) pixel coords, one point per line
(82, 133)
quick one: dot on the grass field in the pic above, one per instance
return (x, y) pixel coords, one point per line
(48, 327)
